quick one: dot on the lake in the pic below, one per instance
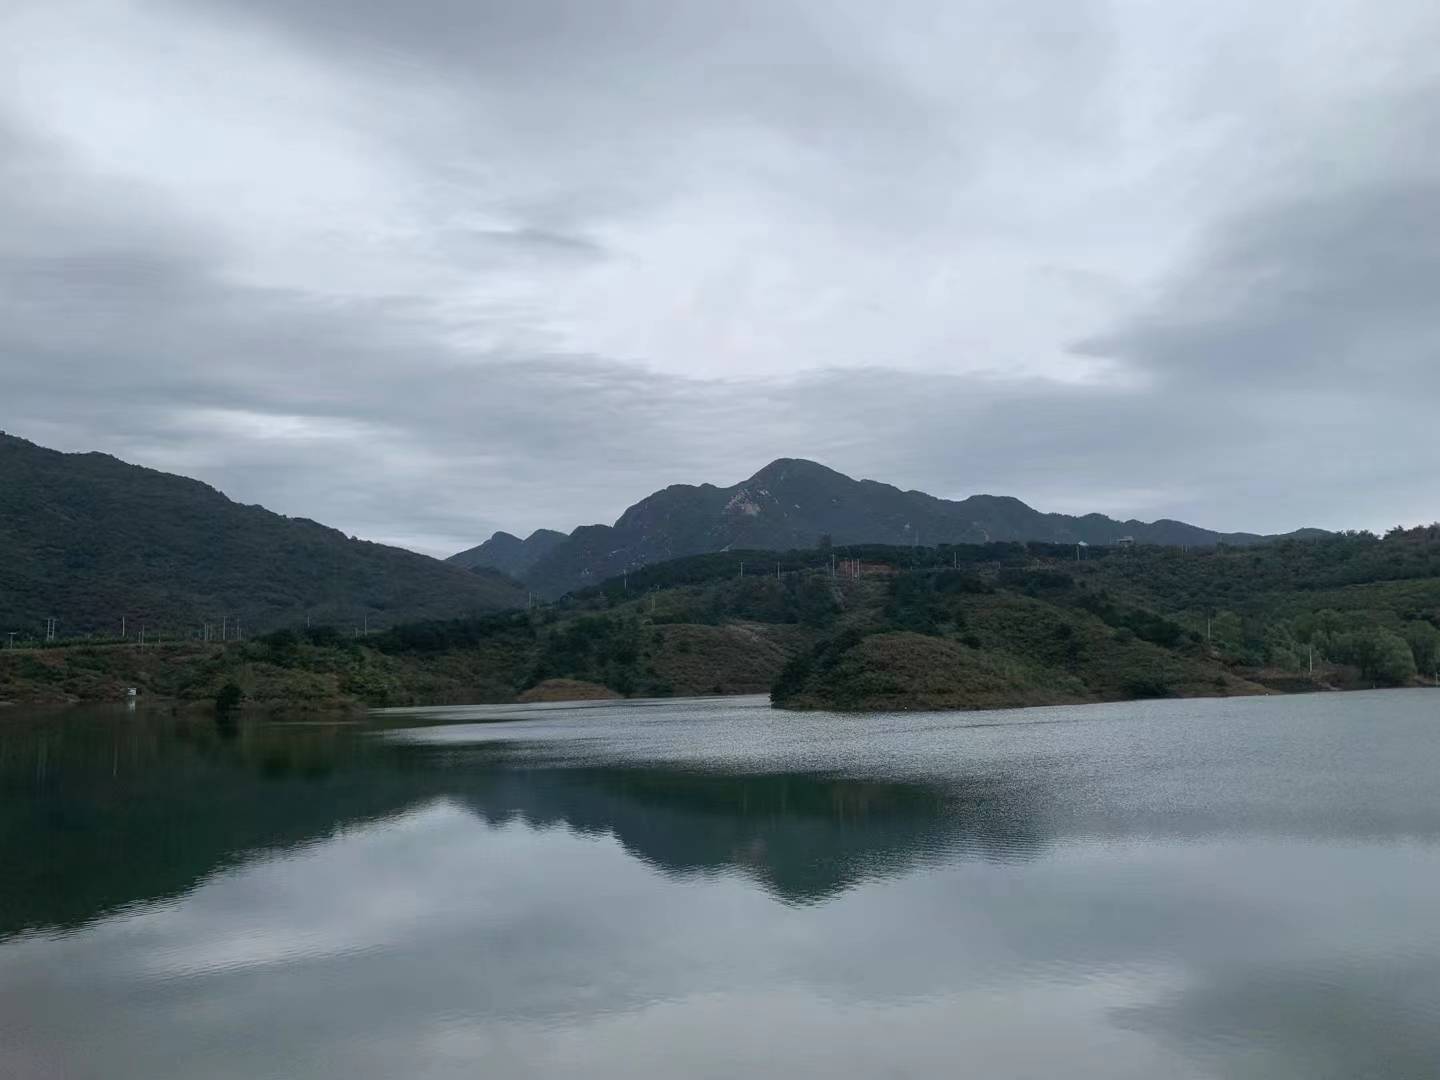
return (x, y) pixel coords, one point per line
(1203, 888)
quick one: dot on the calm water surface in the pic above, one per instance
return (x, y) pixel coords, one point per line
(1242, 888)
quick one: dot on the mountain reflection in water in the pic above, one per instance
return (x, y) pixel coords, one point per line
(108, 812)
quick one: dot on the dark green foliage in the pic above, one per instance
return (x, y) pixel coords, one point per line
(325, 636)
(1145, 625)
(605, 649)
(229, 697)
(913, 604)
(87, 538)
(1036, 580)
(1424, 641)
(1381, 656)
(816, 602)
(444, 636)
(815, 662)
(1148, 686)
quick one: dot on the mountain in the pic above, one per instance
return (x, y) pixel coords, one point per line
(88, 539)
(509, 554)
(792, 503)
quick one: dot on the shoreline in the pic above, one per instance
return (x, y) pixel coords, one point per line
(280, 709)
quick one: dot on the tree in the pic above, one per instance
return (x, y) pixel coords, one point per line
(1381, 656)
(1395, 664)
(1281, 651)
(1424, 642)
(1317, 626)
(228, 698)
(817, 602)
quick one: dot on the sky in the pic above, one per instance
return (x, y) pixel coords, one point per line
(427, 270)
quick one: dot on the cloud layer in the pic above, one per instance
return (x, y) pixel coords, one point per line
(426, 271)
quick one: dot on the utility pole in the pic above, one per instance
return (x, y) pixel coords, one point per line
(742, 567)
(142, 635)
(122, 627)
(224, 627)
(12, 639)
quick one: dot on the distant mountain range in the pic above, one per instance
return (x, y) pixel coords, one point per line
(86, 539)
(793, 503)
(509, 554)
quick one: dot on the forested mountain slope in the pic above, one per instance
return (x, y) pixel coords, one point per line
(86, 539)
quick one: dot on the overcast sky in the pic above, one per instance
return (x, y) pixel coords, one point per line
(424, 270)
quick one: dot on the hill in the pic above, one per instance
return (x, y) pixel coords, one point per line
(88, 539)
(857, 627)
(793, 504)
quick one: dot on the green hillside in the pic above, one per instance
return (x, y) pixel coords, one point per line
(87, 539)
(968, 626)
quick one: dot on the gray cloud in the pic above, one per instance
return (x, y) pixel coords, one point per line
(1327, 287)
(429, 272)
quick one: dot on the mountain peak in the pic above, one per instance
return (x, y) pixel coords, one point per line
(509, 554)
(793, 503)
(793, 469)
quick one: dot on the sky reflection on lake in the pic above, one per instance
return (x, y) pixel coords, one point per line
(1206, 889)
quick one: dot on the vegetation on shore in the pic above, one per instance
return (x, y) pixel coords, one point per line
(964, 626)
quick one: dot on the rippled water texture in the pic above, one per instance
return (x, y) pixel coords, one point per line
(1232, 888)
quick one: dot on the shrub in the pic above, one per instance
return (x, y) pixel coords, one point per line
(229, 697)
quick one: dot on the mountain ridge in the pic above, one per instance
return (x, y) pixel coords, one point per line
(793, 503)
(509, 554)
(89, 539)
